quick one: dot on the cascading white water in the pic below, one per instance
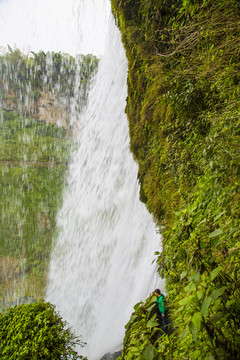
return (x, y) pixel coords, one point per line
(101, 263)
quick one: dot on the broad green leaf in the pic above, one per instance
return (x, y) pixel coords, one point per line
(195, 277)
(186, 300)
(183, 274)
(190, 287)
(218, 316)
(215, 272)
(215, 233)
(133, 317)
(219, 215)
(149, 353)
(230, 302)
(196, 319)
(205, 305)
(194, 330)
(136, 307)
(184, 334)
(152, 322)
(200, 294)
(202, 244)
(196, 355)
(210, 357)
(151, 307)
(218, 292)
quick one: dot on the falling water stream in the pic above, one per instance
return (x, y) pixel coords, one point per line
(101, 262)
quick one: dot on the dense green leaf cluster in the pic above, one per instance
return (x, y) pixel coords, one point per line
(36, 331)
(144, 333)
(183, 108)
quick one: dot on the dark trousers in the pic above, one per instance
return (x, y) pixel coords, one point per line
(164, 322)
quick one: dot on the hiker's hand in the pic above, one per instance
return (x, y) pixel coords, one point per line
(163, 315)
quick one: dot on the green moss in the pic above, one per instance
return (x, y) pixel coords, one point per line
(183, 109)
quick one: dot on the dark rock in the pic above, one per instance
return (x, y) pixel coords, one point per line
(112, 356)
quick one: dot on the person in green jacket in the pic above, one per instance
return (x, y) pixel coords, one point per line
(161, 306)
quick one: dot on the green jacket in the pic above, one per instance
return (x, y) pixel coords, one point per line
(160, 302)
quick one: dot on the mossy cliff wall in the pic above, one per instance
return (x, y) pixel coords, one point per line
(183, 108)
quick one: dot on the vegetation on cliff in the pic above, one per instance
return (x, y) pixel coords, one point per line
(183, 107)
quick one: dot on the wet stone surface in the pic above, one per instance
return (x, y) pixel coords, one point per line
(112, 356)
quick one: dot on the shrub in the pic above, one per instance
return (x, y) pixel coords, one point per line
(36, 331)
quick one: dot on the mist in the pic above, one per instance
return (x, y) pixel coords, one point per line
(54, 25)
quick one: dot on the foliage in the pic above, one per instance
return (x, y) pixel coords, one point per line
(33, 162)
(183, 109)
(24, 78)
(144, 338)
(34, 159)
(36, 331)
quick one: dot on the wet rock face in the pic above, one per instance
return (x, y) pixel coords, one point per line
(51, 110)
(112, 356)
(9, 267)
(47, 107)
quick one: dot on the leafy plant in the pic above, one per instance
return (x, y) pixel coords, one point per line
(36, 331)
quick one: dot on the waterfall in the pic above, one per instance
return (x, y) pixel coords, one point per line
(101, 261)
